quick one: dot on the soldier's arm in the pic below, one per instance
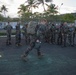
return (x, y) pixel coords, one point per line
(5, 28)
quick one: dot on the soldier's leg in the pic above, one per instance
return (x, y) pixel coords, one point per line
(61, 39)
(15, 39)
(30, 47)
(38, 46)
(10, 39)
(7, 40)
(72, 40)
(65, 39)
(69, 39)
(19, 40)
(58, 38)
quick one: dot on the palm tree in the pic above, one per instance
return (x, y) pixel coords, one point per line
(43, 3)
(52, 9)
(32, 4)
(22, 9)
(4, 9)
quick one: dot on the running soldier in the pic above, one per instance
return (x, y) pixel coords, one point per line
(35, 39)
(8, 29)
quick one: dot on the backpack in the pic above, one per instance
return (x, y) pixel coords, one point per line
(31, 28)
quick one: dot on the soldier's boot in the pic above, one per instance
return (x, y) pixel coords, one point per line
(24, 57)
(39, 54)
(16, 44)
(19, 44)
(7, 42)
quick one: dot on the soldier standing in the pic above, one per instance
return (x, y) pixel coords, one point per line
(18, 35)
(8, 29)
(71, 35)
(59, 39)
(52, 29)
(64, 32)
(25, 32)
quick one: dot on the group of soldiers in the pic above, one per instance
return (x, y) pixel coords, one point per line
(8, 29)
(36, 33)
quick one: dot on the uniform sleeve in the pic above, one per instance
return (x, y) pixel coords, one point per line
(5, 28)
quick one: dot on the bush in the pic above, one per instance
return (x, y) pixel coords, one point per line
(2, 33)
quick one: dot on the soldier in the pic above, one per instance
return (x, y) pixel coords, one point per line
(35, 39)
(47, 34)
(52, 29)
(71, 35)
(64, 32)
(8, 29)
(59, 39)
(18, 35)
(25, 32)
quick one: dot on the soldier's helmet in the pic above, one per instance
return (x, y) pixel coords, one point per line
(65, 23)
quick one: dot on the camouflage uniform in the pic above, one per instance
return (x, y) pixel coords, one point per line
(64, 32)
(25, 32)
(34, 43)
(57, 35)
(47, 34)
(59, 39)
(52, 29)
(42, 32)
(71, 35)
(18, 34)
(8, 29)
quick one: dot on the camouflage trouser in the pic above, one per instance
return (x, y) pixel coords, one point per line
(64, 39)
(25, 36)
(71, 39)
(18, 38)
(33, 44)
(47, 37)
(59, 39)
(8, 38)
(53, 38)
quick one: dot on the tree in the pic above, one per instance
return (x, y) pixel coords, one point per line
(4, 10)
(22, 9)
(32, 4)
(52, 9)
(1, 18)
(68, 17)
(43, 3)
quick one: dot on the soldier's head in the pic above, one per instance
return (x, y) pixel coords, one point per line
(18, 23)
(65, 23)
(53, 24)
(26, 25)
(43, 21)
(8, 23)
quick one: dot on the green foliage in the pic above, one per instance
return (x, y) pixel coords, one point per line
(3, 33)
(68, 18)
(1, 18)
(52, 9)
(4, 9)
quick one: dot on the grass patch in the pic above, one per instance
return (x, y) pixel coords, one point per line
(3, 32)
